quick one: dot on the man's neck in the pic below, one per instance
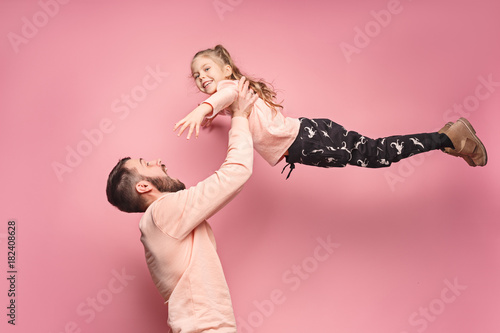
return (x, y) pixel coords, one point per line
(153, 196)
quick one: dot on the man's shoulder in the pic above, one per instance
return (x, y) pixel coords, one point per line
(160, 211)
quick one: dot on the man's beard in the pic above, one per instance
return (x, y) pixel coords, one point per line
(166, 184)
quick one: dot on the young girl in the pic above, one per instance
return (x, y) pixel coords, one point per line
(317, 142)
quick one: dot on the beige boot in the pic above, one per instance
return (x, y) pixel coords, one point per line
(451, 151)
(467, 144)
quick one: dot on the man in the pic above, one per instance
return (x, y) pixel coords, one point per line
(179, 243)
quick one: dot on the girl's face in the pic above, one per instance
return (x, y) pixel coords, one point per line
(208, 73)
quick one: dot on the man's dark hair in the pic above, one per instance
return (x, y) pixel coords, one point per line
(120, 189)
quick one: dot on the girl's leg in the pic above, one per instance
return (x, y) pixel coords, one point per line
(323, 143)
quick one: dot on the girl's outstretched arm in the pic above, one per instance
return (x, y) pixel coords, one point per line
(193, 120)
(223, 98)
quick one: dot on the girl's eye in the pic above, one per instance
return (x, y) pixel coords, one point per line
(207, 69)
(195, 76)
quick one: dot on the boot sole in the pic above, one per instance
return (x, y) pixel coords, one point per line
(473, 132)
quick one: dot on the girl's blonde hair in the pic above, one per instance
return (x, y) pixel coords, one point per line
(264, 89)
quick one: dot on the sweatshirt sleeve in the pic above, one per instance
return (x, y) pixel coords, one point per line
(177, 214)
(226, 94)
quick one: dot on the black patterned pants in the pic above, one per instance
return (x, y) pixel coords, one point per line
(324, 143)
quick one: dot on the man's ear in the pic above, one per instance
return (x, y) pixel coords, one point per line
(143, 186)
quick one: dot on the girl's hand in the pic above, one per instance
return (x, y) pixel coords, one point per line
(193, 120)
(207, 122)
(242, 107)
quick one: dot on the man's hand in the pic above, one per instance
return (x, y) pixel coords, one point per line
(242, 107)
(193, 120)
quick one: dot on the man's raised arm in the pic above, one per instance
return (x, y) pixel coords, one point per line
(188, 208)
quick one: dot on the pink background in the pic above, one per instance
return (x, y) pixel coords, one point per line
(403, 234)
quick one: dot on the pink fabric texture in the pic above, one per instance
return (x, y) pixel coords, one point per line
(272, 132)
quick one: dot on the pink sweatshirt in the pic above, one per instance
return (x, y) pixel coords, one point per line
(180, 245)
(272, 132)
